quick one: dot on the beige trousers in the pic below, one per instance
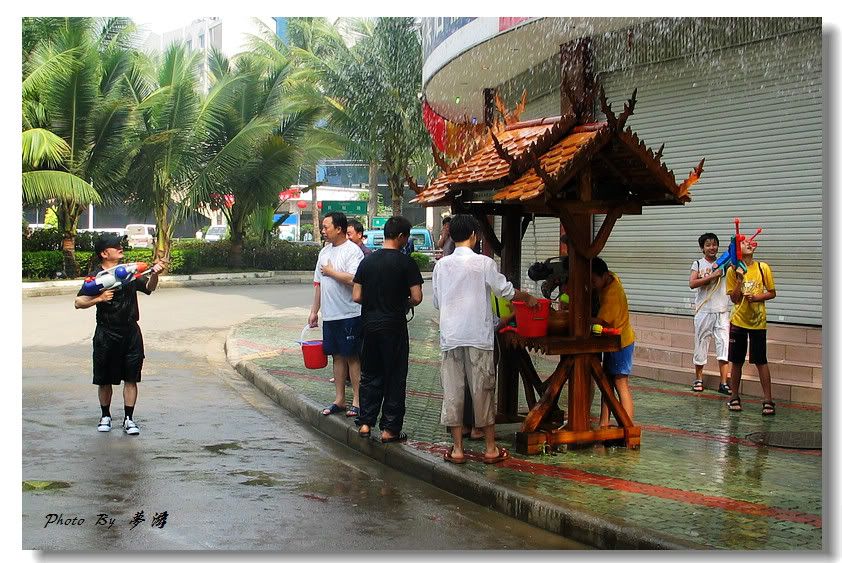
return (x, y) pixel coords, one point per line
(473, 367)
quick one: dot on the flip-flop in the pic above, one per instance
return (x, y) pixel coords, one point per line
(451, 459)
(332, 409)
(365, 434)
(503, 455)
(353, 411)
(399, 438)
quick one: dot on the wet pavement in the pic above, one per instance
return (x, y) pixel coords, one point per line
(696, 481)
(231, 469)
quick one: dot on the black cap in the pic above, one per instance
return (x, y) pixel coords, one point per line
(108, 241)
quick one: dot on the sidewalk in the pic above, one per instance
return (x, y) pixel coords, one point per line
(67, 287)
(695, 483)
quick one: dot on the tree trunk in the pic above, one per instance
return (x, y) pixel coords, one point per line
(68, 217)
(317, 221)
(372, 191)
(237, 226)
(396, 188)
(163, 238)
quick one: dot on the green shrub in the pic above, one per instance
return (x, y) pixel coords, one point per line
(422, 260)
(42, 239)
(41, 264)
(187, 258)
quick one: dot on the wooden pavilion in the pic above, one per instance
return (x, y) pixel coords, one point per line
(567, 168)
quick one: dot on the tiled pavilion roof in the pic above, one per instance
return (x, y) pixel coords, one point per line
(623, 168)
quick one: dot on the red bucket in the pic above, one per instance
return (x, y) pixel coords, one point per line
(313, 351)
(532, 322)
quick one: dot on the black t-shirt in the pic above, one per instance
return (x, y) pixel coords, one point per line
(122, 311)
(386, 276)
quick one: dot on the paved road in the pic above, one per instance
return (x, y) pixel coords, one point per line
(231, 469)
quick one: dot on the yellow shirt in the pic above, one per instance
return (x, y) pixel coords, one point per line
(745, 314)
(614, 310)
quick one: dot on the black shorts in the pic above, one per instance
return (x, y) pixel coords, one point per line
(118, 355)
(738, 341)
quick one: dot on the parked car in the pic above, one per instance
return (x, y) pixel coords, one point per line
(421, 238)
(423, 241)
(141, 236)
(216, 232)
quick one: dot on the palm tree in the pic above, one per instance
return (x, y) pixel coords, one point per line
(166, 142)
(267, 131)
(373, 90)
(73, 87)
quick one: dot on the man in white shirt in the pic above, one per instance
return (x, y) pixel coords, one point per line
(462, 287)
(341, 322)
(711, 318)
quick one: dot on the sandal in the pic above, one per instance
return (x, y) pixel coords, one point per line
(768, 408)
(365, 433)
(448, 456)
(724, 388)
(734, 405)
(353, 411)
(332, 409)
(502, 455)
(698, 386)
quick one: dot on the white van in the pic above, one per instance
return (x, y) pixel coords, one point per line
(140, 236)
(216, 233)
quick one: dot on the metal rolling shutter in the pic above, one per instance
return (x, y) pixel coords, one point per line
(539, 243)
(755, 113)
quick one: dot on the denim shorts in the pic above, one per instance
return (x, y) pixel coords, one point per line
(343, 337)
(618, 364)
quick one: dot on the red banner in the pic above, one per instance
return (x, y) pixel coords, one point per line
(435, 125)
(507, 23)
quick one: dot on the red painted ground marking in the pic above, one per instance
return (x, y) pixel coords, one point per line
(723, 398)
(614, 483)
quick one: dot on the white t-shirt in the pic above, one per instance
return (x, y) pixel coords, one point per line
(713, 294)
(462, 287)
(336, 297)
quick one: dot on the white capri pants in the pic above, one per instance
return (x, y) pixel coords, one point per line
(707, 325)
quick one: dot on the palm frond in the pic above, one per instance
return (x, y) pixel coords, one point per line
(43, 148)
(41, 185)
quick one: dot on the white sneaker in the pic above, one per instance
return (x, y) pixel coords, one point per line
(104, 424)
(130, 427)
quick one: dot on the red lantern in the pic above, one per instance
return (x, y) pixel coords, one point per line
(301, 204)
(319, 204)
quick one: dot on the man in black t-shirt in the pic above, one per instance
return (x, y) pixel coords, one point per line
(118, 342)
(387, 284)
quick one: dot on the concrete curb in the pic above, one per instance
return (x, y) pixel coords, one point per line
(590, 529)
(71, 287)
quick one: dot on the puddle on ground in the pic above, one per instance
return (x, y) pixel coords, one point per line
(220, 448)
(258, 478)
(44, 485)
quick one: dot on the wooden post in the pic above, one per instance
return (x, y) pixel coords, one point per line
(508, 372)
(579, 287)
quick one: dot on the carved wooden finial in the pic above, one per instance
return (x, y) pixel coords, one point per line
(628, 110)
(606, 109)
(660, 152)
(438, 157)
(501, 151)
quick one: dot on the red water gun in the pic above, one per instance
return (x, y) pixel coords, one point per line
(734, 254)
